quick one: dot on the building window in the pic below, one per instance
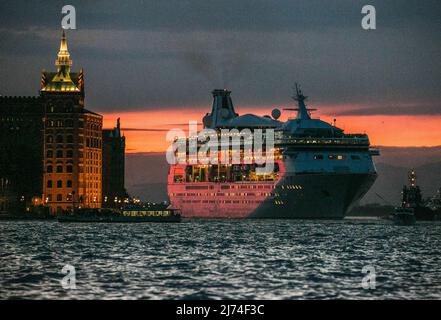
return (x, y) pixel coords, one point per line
(49, 154)
(49, 139)
(49, 169)
(49, 183)
(69, 154)
(59, 197)
(59, 153)
(59, 139)
(59, 169)
(59, 184)
(69, 139)
(69, 183)
(69, 123)
(69, 169)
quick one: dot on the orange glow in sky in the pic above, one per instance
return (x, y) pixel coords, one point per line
(383, 130)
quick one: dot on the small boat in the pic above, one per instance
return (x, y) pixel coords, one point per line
(157, 214)
(403, 216)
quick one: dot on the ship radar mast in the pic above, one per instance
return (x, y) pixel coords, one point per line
(412, 178)
(302, 111)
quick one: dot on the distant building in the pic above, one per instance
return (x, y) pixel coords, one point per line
(51, 146)
(21, 156)
(114, 145)
(73, 139)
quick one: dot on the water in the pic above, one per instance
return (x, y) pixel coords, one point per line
(221, 260)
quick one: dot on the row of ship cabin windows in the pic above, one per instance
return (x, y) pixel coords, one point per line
(335, 157)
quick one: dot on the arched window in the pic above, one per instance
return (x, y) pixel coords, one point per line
(49, 154)
(59, 139)
(59, 153)
(59, 169)
(69, 169)
(69, 154)
(49, 169)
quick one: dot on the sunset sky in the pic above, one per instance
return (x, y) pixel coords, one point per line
(146, 131)
(154, 63)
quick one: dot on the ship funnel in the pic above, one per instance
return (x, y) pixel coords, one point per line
(222, 110)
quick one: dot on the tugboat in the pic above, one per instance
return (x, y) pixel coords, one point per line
(153, 213)
(435, 203)
(404, 217)
(412, 206)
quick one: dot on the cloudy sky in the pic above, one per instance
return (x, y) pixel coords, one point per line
(152, 62)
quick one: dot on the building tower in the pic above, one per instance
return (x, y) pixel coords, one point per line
(114, 144)
(72, 157)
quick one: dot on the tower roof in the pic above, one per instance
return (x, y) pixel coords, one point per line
(62, 80)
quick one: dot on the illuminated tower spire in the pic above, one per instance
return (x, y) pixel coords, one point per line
(63, 57)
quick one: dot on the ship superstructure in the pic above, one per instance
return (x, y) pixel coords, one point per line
(317, 170)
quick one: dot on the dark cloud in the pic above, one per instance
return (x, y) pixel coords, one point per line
(140, 55)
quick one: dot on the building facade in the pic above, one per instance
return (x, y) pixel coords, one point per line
(114, 144)
(50, 145)
(72, 139)
(21, 157)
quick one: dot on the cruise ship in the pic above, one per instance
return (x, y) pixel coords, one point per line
(318, 171)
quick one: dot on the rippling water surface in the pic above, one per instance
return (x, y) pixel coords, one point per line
(248, 259)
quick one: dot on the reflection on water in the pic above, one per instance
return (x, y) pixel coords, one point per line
(248, 259)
